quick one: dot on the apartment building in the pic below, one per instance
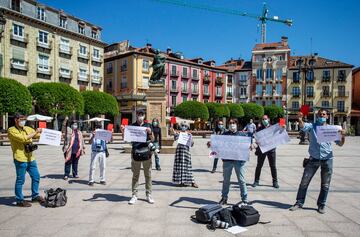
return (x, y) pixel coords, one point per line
(320, 82)
(43, 44)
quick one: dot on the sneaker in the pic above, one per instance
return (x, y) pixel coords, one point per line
(66, 177)
(223, 201)
(38, 199)
(103, 182)
(76, 176)
(244, 203)
(133, 200)
(194, 185)
(213, 171)
(158, 169)
(149, 199)
(276, 184)
(23, 204)
(256, 183)
(321, 209)
(91, 183)
(296, 206)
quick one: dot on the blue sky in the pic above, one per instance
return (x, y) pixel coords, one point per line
(333, 26)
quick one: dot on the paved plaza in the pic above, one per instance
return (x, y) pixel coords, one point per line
(104, 210)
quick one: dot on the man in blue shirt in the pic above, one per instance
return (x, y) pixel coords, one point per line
(321, 155)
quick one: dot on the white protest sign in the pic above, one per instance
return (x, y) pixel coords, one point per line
(328, 133)
(102, 134)
(231, 147)
(135, 134)
(271, 137)
(185, 139)
(50, 137)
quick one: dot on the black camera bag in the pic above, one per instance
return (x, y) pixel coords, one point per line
(245, 215)
(205, 213)
(55, 198)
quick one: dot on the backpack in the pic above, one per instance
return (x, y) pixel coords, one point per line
(205, 213)
(55, 198)
(245, 215)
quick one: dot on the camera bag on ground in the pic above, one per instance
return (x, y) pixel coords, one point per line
(205, 213)
(245, 215)
(222, 219)
(55, 198)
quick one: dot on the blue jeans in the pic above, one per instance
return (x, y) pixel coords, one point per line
(239, 167)
(157, 159)
(21, 169)
(326, 167)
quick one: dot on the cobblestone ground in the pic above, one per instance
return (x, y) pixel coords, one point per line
(104, 210)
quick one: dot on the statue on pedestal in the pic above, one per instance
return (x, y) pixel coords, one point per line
(158, 66)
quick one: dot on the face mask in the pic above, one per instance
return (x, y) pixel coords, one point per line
(221, 126)
(265, 122)
(183, 128)
(22, 123)
(74, 126)
(233, 127)
(155, 124)
(141, 118)
(321, 120)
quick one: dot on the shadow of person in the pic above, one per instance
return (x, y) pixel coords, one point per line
(106, 197)
(53, 176)
(272, 204)
(78, 181)
(198, 201)
(201, 170)
(164, 183)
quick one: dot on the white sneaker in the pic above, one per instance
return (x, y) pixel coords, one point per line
(133, 200)
(150, 199)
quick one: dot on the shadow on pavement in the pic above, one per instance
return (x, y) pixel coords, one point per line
(53, 176)
(79, 181)
(163, 183)
(272, 203)
(199, 201)
(201, 170)
(107, 197)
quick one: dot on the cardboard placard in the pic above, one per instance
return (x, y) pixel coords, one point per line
(42, 124)
(110, 127)
(125, 121)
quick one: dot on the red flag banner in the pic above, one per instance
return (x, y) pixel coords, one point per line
(125, 121)
(305, 110)
(173, 120)
(110, 127)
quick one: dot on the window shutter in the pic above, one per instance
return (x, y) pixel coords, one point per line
(18, 53)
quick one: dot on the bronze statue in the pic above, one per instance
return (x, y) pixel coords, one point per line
(158, 66)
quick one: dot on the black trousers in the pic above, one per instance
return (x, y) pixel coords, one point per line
(271, 155)
(74, 163)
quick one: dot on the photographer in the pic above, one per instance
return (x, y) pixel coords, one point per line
(20, 137)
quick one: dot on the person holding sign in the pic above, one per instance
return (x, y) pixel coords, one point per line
(20, 137)
(98, 153)
(271, 155)
(141, 155)
(220, 130)
(229, 165)
(182, 175)
(321, 156)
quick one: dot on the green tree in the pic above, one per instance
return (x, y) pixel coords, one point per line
(236, 111)
(274, 112)
(99, 103)
(217, 110)
(56, 98)
(252, 111)
(192, 110)
(14, 97)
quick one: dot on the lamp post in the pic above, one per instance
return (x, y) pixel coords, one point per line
(2, 29)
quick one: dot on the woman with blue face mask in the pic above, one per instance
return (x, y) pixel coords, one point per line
(156, 130)
(182, 175)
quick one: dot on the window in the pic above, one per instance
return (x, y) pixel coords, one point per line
(259, 74)
(94, 34)
(341, 106)
(218, 101)
(173, 85)
(41, 14)
(145, 65)
(269, 89)
(83, 50)
(83, 72)
(206, 89)
(341, 90)
(124, 65)
(194, 98)
(341, 75)
(195, 73)
(325, 91)
(296, 77)
(173, 100)
(243, 77)
(229, 90)
(325, 104)
(18, 56)
(109, 67)
(18, 30)
(218, 91)
(242, 91)
(296, 91)
(64, 44)
(43, 62)
(268, 102)
(173, 70)
(310, 91)
(96, 53)
(310, 104)
(326, 75)
(310, 75)
(279, 74)
(184, 86)
(185, 72)
(145, 82)
(230, 79)
(206, 73)
(195, 88)
(81, 29)
(278, 103)
(259, 90)
(206, 101)
(123, 82)
(278, 89)
(64, 71)
(96, 74)
(295, 104)
(218, 74)
(184, 98)
(43, 37)
(269, 73)
(15, 5)
(63, 22)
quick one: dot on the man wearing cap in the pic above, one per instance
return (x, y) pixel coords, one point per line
(146, 162)
(19, 136)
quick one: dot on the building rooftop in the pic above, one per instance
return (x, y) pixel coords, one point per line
(320, 62)
(273, 46)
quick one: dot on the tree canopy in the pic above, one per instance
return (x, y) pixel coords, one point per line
(192, 110)
(236, 111)
(252, 111)
(274, 112)
(97, 103)
(217, 110)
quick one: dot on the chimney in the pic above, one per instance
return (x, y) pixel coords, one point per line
(284, 40)
(168, 50)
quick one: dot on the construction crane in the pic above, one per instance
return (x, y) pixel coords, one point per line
(263, 18)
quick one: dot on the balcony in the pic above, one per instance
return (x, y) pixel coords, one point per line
(219, 80)
(206, 93)
(185, 76)
(218, 95)
(44, 45)
(243, 83)
(342, 94)
(67, 74)
(341, 78)
(83, 77)
(229, 81)
(229, 95)
(325, 94)
(310, 95)
(65, 49)
(296, 95)
(195, 77)
(206, 79)
(23, 39)
(97, 58)
(96, 79)
(83, 55)
(44, 69)
(243, 96)
(310, 80)
(174, 89)
(325, 79)
(174, 73)
(296, 80)
(195, 92)
(342, 110)
(19, 64)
